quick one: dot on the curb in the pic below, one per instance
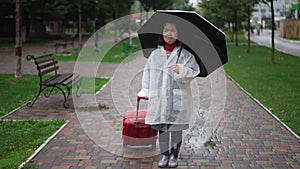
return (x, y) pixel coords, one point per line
(289, 41)
(261, 105)
(2, 117)
(44, 144)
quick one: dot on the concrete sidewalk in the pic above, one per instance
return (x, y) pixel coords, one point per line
(247, 136)
(284, 45)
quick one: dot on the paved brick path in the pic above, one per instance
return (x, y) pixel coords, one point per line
(247, 135)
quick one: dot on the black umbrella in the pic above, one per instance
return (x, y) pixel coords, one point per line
(205, 41)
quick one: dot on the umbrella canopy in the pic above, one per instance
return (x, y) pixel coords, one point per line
(205, 41)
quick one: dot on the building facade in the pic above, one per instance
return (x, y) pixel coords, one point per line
(282, 10)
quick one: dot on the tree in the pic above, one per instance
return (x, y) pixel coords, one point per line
(271, 5)
(18, 48)
(7, 8)
(155, 5)
(79, 24)
(220, 12)
(250, 9)
(146, 4)
(159, 4)
(209, 10)
(182, 5)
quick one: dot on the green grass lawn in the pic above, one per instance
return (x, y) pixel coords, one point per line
(108, 52)
(15, 93)
(296, 39)
(277, 86)
(19, 139)
(241, 37)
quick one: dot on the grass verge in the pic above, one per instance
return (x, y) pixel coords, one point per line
(15, 93)
(277, 86)
(19, 139)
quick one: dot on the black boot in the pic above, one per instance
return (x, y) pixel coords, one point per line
(174, 155)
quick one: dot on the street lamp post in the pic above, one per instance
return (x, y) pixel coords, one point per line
(96, 50)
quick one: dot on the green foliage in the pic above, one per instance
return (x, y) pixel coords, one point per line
(221, 11)
(7, 8)
(146, 4)
(65, 10)
(166, 4)
(19, 139)
(158, 4)
(275, 85)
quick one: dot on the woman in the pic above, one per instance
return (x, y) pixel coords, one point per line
(166, 82)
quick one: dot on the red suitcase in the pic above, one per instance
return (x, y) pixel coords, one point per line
(135, 132)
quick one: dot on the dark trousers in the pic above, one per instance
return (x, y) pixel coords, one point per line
(164, 142)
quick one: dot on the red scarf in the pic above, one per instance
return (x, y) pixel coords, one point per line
(169, 48)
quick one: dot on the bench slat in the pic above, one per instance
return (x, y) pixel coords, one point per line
(66, 79)
(59, 79)
(49, 79)
(45, 59)
(75, 82)
(53, 69)
(51, 64)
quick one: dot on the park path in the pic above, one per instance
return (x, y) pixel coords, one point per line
(286, 46)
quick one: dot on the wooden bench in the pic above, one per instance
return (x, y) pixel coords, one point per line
(64, 45)
(47, 67)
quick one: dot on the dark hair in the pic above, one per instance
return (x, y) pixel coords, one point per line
(161, 36)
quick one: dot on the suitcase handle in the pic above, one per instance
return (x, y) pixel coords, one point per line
(138, 99)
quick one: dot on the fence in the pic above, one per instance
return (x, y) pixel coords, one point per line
(290, 28)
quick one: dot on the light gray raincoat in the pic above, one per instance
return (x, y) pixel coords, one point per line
(169, 93)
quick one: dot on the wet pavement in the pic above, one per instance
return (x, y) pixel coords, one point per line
(287, 46)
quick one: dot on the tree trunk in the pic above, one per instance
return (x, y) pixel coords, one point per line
(273, 32)
(116, 21)
(232, 32)
(236, 28)
(96, 24)
(249, 27)
(18, 47)
(129, 25)
(141, 14)
(79, 25)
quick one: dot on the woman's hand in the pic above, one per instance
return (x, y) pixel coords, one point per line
(175, 68)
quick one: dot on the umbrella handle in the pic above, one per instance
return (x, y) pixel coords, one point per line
(179, 54)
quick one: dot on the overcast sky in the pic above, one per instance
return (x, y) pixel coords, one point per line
(194, 1)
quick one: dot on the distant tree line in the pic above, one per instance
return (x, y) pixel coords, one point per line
(66, 11)
(234, 13)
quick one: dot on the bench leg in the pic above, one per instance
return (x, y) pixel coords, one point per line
(49, 93)
(30, 103)
(77, 90)
(65, 96)
(56, 49)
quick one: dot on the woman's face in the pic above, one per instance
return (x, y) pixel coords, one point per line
(170, 33)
